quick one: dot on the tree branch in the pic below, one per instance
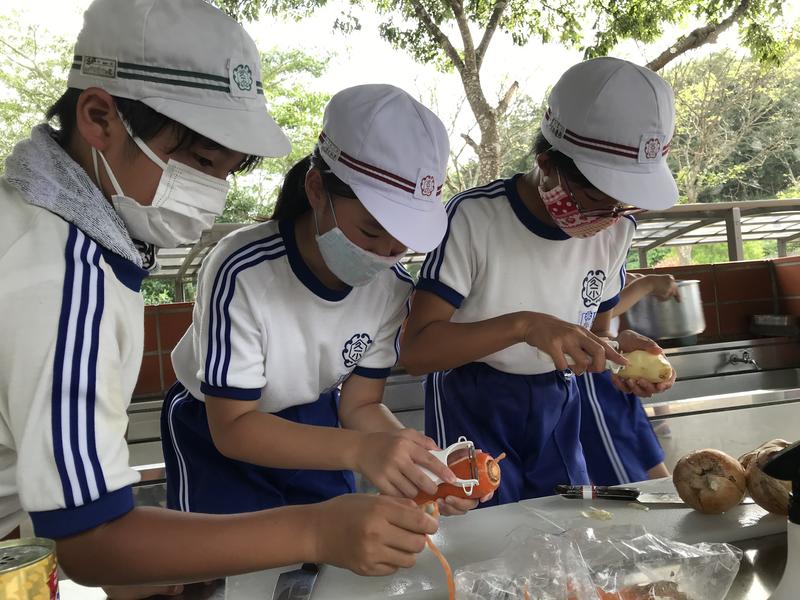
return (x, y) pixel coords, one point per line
(472, 143)
(505, 101)
(491, 27)
(437, 34)
(462, 21)
(698, 37)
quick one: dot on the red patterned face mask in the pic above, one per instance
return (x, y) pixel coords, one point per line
(567, 215)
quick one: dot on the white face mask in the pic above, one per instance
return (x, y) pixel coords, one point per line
(186, 202)
(351, 264)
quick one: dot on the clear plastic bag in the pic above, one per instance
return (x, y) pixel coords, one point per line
(627, 562)
(533, 566)
(611, 563)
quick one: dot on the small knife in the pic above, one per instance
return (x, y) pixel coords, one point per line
(591, 492)
(296, 584)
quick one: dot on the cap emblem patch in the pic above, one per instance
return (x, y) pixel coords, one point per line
(427, 186)
(243, 78)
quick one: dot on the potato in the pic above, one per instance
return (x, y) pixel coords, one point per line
(654, 368)
(710, 481)
(769, 493)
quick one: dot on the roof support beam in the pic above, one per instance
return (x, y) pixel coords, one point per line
(733, 223)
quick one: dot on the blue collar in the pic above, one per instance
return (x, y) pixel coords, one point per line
(300, 268)
(527, 218)
(129, 274)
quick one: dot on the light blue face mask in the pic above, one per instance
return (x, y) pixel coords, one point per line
(351, 265)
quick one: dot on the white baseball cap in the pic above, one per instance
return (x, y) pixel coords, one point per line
(184, 59)
(615, 120)
(392, 151)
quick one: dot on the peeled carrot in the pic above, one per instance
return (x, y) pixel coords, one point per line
(488, 478)
(433, 509)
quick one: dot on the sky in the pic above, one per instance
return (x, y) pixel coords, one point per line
(362, 57)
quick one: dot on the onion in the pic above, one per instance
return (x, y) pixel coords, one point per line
(769, 493)
(710, 481)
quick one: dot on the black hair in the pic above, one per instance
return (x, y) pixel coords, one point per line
(560, 161)
(292, 199)
(144, 122)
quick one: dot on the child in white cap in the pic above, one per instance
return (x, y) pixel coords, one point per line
(296, 324)
(503, 309)
(164, 103)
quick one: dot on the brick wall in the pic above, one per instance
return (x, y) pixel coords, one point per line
(164, 325)
(731, 292)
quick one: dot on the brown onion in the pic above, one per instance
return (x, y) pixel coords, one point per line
(746, 458)
(710, 481)
(769, 493)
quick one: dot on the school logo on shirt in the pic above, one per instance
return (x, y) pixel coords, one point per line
(592, 291)
(355, 348)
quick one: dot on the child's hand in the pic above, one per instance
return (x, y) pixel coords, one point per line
(663, 287)
(392, 461)
(370, 535)
(587, 351)
(628, 342)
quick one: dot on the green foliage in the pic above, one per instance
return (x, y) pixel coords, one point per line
(158, 291)
(738, 128)
(33, 72)
(563, 21)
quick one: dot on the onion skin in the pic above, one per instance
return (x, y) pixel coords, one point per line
(710, 481)
(769, 493)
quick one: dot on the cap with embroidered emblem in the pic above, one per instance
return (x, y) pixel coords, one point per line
(615, 120)
(184, 59)
(392, 151)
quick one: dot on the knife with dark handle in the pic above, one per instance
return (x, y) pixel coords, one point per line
(628, 494)
(297, 584)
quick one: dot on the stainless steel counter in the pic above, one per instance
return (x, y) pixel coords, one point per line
(761, 569)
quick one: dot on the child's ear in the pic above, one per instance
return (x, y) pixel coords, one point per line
(97, 120)
(315, 189)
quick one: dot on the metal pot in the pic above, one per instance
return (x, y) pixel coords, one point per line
(669, 319)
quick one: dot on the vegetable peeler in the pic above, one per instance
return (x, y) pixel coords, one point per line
(442, 455)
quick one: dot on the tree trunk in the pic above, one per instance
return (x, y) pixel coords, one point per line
(488, 149)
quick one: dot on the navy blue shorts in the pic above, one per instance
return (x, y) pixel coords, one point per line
(619, 441)
(534, 419)
(201, 479)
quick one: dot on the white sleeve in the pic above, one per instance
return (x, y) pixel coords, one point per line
(66, 366)
(384, 351)
(229, 336)
(449, 270)
(616, 271)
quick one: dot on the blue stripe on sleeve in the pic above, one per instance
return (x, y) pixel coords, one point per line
(445, 292)
(372, 373)
(432, 266)
(608, 304)
(230, 392)
(74, 391)
(58, 369)
(91, 391)
(216, 325)
(60, 523)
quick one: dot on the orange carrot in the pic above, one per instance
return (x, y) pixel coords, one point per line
(488, 478)
(433, 509)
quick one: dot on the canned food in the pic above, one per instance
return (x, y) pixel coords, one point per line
(28, 570)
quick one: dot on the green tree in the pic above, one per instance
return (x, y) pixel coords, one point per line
(33, 74)
(734, 114)
(454, 34)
